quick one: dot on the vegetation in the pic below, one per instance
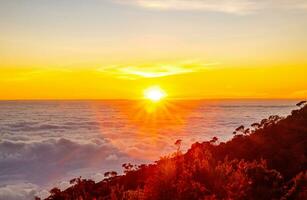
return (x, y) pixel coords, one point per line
(266, 161)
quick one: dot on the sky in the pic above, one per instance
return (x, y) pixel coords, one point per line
(115, 49)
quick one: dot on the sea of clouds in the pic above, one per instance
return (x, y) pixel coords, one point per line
(45, 144)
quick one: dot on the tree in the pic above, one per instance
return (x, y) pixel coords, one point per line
(55, 191)
(246, 131)
(110, 174)
(301, 103)
(178, 144)
(240, 128)
(255, 125)
(213, 140)
(128, 167)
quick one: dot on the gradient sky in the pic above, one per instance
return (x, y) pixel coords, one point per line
(95, 49)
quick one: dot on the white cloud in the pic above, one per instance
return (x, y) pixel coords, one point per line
(225, 6)
(21, 191)
(26, 166)
(112, 157)
(156, 69)
(228, 6)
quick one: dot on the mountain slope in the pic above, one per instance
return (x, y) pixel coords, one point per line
(264, 162)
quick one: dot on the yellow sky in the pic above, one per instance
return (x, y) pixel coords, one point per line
(238, 82)
(117, 49)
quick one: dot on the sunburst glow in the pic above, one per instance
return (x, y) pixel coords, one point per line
(154, 94)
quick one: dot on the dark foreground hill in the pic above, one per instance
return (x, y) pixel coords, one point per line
(267, 161)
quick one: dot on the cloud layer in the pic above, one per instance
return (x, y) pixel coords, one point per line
(26, 166)
(22, 191)
(226, 6)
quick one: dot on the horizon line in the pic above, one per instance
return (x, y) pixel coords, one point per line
(138, 99)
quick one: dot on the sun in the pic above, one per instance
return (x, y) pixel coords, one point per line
(154, 94)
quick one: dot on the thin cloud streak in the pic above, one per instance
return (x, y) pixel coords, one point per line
(239, 7)
(156, 70)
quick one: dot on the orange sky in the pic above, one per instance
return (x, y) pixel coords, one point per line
(117, 49)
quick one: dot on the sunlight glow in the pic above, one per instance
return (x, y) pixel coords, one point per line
(154, 94)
